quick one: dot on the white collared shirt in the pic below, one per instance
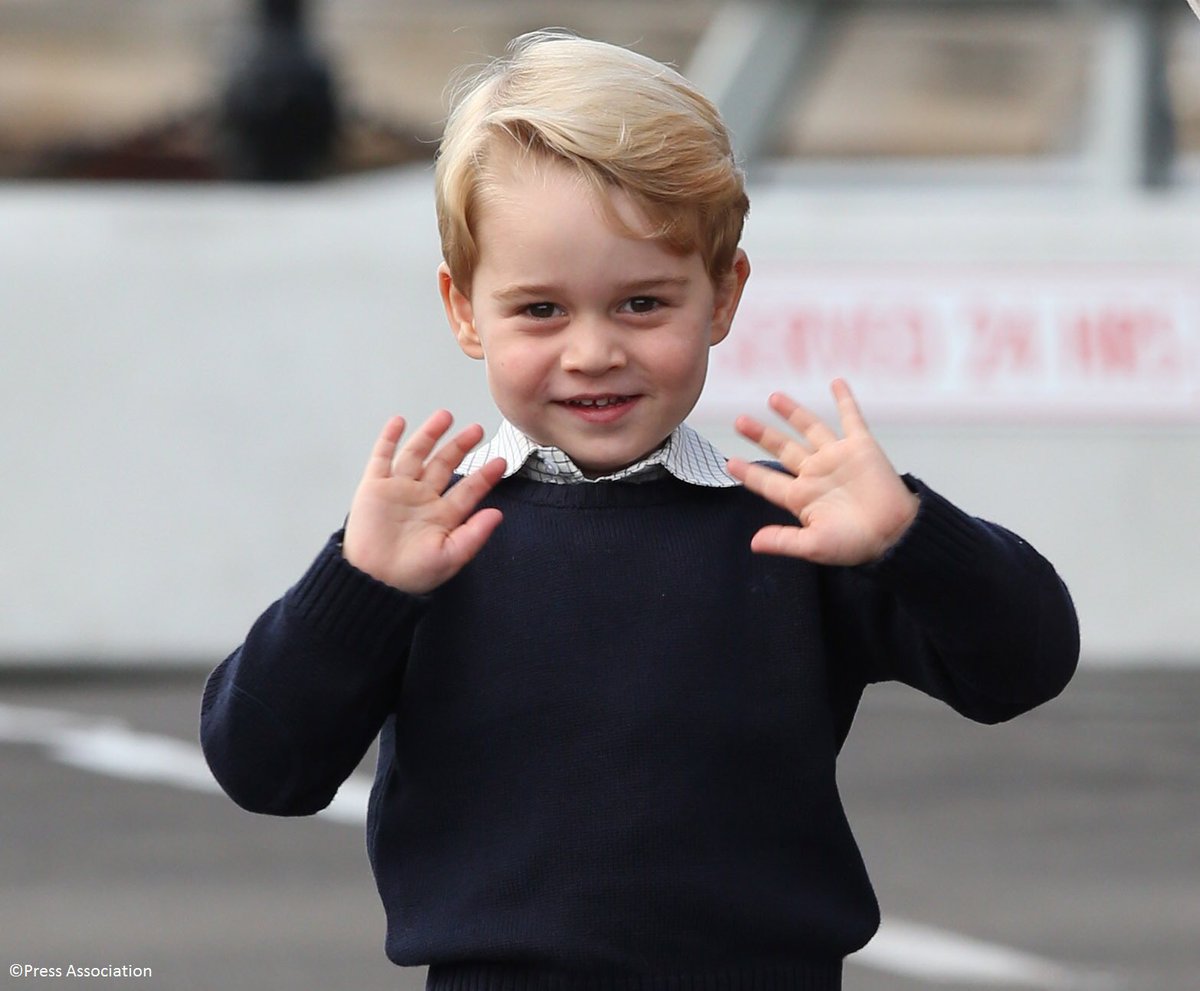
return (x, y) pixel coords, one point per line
(685, 454)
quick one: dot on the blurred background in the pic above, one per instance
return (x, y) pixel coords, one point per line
(217, 258)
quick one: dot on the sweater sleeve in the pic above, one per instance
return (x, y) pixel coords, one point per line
(288, 716)
(961, 609)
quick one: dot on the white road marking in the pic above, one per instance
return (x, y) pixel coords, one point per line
(938, 956)
(109, 746)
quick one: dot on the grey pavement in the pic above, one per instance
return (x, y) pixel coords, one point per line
(1072, 835)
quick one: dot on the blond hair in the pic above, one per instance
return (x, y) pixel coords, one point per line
(620, 119)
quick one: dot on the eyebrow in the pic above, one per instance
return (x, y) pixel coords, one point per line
(522, 290)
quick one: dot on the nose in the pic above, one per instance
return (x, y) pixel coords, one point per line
(592, 347)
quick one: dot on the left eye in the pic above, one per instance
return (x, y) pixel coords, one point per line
(643, 304)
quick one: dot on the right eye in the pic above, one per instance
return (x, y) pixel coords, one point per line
(541, 311)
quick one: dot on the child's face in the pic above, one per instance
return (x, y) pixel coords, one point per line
(595, 343)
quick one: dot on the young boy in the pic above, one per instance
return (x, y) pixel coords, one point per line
(609, 673)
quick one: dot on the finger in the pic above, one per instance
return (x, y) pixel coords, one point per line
(468, 539)
(851, 416)
(788, 541)
(449, 456)
(462, 499)
(774, 486)
(737, 467)
(410, 460)
(786, 449)
(802, 419)
(749, 428)
(379, 465)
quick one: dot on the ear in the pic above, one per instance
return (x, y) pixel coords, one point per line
(459, 313)
(728, 295)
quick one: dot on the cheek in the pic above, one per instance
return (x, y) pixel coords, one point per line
(681, 360)
(515, 371)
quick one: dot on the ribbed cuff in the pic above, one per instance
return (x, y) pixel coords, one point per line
(942, 541)
(350, 607)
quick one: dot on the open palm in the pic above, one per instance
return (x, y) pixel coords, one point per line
(850, 503)
(405, 528)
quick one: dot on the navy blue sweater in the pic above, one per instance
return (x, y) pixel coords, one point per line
(607, 747)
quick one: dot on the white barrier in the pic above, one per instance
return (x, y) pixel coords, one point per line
(192, 377)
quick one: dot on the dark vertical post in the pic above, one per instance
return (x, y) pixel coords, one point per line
(1158, 133)
(279, 108)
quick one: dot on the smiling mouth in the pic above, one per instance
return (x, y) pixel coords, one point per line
(598, 402)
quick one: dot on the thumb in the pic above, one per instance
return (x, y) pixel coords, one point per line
(788, 541)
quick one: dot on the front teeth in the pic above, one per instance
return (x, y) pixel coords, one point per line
(607, 401)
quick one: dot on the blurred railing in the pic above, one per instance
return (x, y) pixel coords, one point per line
(976, 90)
(1104, 93)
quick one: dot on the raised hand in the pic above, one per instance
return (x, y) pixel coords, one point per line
(404, 528)
(847, 497)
